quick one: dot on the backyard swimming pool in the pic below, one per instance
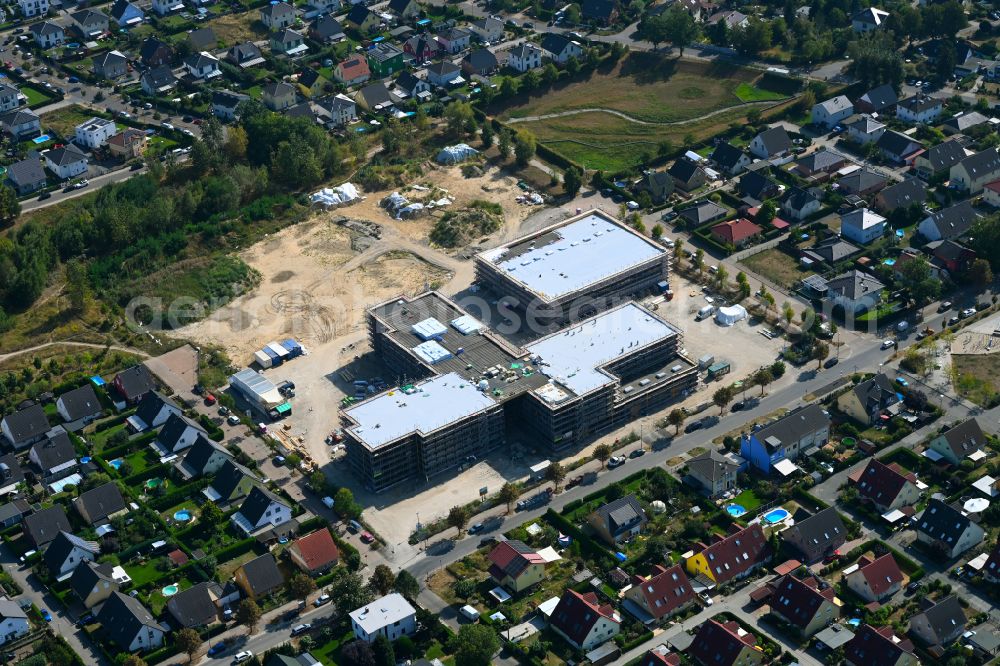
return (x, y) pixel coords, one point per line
(183, 515)
(774, 516)
(116, 463)
(735, 510)
(170, 590)
(41, 139)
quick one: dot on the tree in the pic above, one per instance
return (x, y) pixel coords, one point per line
(475, 645)
(524, 147)
(345, 503)
(555, 473)
(766, 213)
(211, 514)
(406, 585)
(572, 66)
(248, 614)
(458, 517)
(301, 586)
(549, 74)
(508, 87)
(875, 61)
(680, 28)
(317, 481)
(460, 119)
(572, 180)
(77, 286)
(602, 452)
(486, 135)
(820, 352)
(699, 260)
(679, 250)
(676, 419)
(349, 592)
(509, 492)
(980, 272)
(721, 278)
(763, 378)
(752, 38)
(915, 276)
(383, 652)
(504, 143)
(189, 642)
(722, 397)
(358, 653)
(382, 580)
(788, 312)
(464, 588)
(744, 285)
(657, 231)
(10, 208)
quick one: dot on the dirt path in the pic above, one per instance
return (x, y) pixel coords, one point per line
(88, 345)
(625, 116)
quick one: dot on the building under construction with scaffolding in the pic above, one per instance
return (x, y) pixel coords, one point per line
(574, 269)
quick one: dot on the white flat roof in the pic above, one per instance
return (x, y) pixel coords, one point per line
(434, 403)
(586, 251)
(785, 467)
(382, 612)
(573, 355)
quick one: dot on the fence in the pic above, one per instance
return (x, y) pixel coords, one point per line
(750, 251)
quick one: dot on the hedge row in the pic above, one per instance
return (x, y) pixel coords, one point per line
(111, 422)
(187, 492)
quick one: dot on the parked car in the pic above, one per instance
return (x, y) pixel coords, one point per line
(694, 425)
(301, 628)
(830, 362)
(233, 420)
(476, 528)
(366, 537)
(945, 306)
(616, 461)
(638, 453)
(707, 600)
(245, 655)
(278, 460)
(223, 411)
(210, 399)
(902, 381)
(887, 344)
(321, 600)
(46, 615)
(952, 321)
(327, 502)
(218, 648)
(967, 312)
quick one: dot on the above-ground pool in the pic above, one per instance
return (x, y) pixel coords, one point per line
(889, 262)
(41, 139)
(774, 516)
(153, 483)
(84, 460)
(116, 463)
(854, 622)
(735, 510)
(183, 515)
(170, 590)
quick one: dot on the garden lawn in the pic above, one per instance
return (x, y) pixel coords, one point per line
(142, 460)
(144, 573)
(329, 653)
(748, 500)
(748, 92)
(228, 568)
(35, 96)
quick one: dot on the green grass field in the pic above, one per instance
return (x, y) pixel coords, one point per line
(751, 93)
(36, 97)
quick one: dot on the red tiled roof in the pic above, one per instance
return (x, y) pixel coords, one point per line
(317, 550)
(737, 553)
(787, 567)
(512, 558)
(992, 567)
(576, 614)
(353, 68)
(798, 601)
(178, 557)
(660, 657)
(881, 483)
(881, 573)
(875, 647)
(718, 644)
(736, 231)
(666, 591)
(995, 186)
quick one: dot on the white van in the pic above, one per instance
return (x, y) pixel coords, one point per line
(705, 312)
(470, 613)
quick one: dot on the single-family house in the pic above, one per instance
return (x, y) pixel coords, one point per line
(584, 621)
(94, 133)
(757, 184)
(599, 12)
(261, 510)
(965, 440)
(950, 256)
(279, 95)
(326, 30)
(800, 203)
(352, 71)
(732, 557)
(404, 9)
(881, 99)
(941, 624)
(560, 48)
(487, 29)
(128, 144)
(868, 400)
(947, 529)
(661, 595)
(127, 14)
(66, 162)
(288, 43)
(898, 147)
(919, 109)
(99, 505)
(480, 62)
(153, 411)
(869, 19)
(875, 579)
(724, 644)
(166, 7)
(90, 24)
(129, 624)
(962, 122)
(864, 129)
(26, 176)
(412, 86)
(737, 233)
(32, 8)
(443, 74)
(391, 616)
(66, 552)
(888, 487)
(822, 162)
(158, 80)
(618, 521)
(878, 647)
(525, 57)
(863, 226)
(702, 212)
(10, 473)
(197, 606)
(422, 47)
(340, 109)
(831, 251)
(54, 456)
(260, 577)
(384, 59)
(10, 98)
(204, 458)
(515, 565)
(786, 438)
(862, 183)
(48, 34)
(730, 159)
(906, 193)
(375, 97)
(712, 472)
(245, 55)
(816, 536)
(949, 223)
(133, 383)
(25, 426)
(832, 111)
(315, 553)
(93, 583)
(687, 174)
(454, 40)
(154, 52)
(659, 184)
(177, 434)
(972, 173)
(311, 83)
(773, 142)
(807, 604)
(14, 512)
(362, 19)
(277, 15)
(13, 621)
(225, 104)
(660, 656)
(940, 158)
(202, 66)
(991, 570)
(233, 481)
(320, 8)
(41, 527)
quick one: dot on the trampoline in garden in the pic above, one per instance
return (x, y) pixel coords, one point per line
(775, 516)
(848, 441)
(182, 515)
(735, 510)
(170, 590)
